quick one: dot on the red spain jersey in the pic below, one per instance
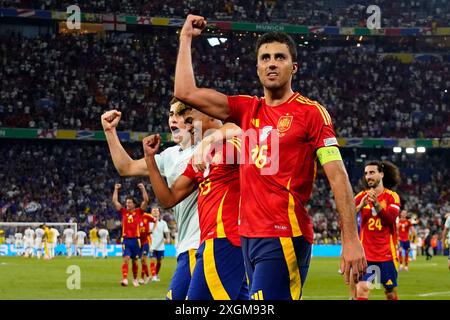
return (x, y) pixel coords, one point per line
(144, 227)
(403, 229)
(378, 230)
(219, 194)
(279, 163)
(130, 222)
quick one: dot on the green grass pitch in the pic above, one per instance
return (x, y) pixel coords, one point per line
(22, 278)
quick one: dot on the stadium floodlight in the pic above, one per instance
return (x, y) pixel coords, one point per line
(397, 149)
(223, 40)
(421, 149)
(410, 150)
(213, 41)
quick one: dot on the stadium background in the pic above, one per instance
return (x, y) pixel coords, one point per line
(383, 88)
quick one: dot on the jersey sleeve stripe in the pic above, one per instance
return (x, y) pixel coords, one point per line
(323, 111)
(394, 195)
(325, 119)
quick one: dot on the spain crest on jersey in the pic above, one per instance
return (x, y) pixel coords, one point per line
(284, 123)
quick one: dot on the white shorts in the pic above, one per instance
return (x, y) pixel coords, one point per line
(38, 243)
(80, 244)
(28, 244)
(19, 244)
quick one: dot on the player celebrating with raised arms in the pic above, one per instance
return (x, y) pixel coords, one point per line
(279, 166)
(380, 207)
(131, 219)
(219, 273)
(171, 163)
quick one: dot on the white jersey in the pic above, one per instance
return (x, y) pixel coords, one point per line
(39, 232)
(29, 234)
(56, 234)
(447, 225)
(68, 235)
(19, 239)
(103, 235)
(158, 235)
(171, 163)
(80, 237)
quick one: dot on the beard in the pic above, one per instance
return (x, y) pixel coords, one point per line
(373, 183)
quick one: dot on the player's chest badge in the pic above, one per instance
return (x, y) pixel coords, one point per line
(284, 124)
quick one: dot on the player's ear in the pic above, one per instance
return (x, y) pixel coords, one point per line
(294, 68)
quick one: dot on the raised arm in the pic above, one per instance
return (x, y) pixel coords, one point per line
(353, 261)
(115, 197)
(145, 197)
(181, 188)
(123, 163)
(211, 102)
(227, 131)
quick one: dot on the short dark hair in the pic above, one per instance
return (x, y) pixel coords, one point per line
(132, 199)
(280, 37)
(391, 172)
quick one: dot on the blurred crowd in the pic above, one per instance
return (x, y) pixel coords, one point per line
(424, 191)
(65, 182)
(402, 13)
(68, 81)
(60, 181)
